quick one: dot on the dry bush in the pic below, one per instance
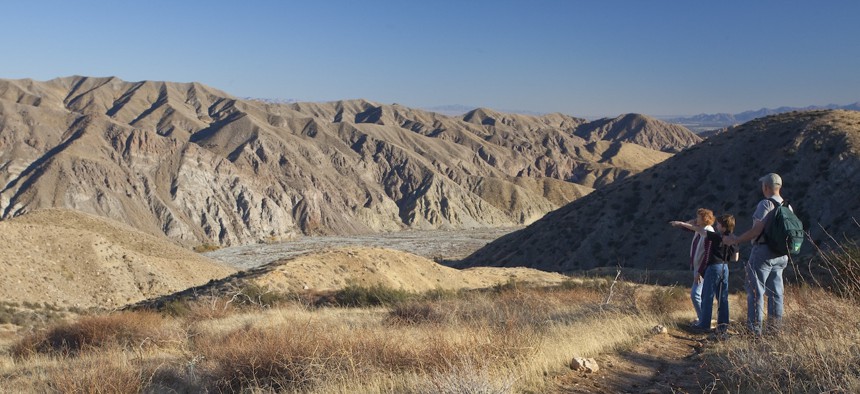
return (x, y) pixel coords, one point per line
(125, 329)
(843, 270)
(209, 308)
(280, 360)
(417, 312)
(465, 377)
(96, 376)
(816, 349)
(664, 301)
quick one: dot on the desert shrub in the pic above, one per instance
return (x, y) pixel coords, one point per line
(360, 296)
(465, 377)
(96, 376)
(204, 308)
(510, 285)
(208, 308)
(178, 307)
(255, 295)
(843, 270)
(416, 312)
(664, 300)
(206, 247)
(284, 360)
(441, 294)
(127, 329)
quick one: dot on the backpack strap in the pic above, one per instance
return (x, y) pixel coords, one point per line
(767, 218)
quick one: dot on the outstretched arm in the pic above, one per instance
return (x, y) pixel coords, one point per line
(688, 226)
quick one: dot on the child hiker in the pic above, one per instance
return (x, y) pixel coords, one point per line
(704, 219)
(714, 271)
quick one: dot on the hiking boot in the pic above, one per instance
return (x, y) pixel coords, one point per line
(698, 329)
(720, 336)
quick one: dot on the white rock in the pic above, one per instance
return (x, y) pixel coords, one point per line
(584, 364)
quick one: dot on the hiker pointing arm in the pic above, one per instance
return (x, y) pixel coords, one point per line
(689, 226)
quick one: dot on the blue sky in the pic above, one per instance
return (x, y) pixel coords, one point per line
(584, 58)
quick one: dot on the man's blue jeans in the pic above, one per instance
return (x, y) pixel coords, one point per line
(696, 298)
(716, 284)
(764, 277)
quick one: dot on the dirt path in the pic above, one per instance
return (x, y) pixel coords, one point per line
(662, 363)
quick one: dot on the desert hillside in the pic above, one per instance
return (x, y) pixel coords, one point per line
(817, 153)
(69, 258)
(201, 166)
(641, 130)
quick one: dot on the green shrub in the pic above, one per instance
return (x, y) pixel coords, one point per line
(359, 296)
(206, 247)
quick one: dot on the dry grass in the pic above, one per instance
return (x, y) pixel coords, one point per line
(507, 339)
(493, 341)
(818, 347)
(815, 351)
(126, 330)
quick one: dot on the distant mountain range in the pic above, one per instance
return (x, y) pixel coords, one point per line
(703, 122)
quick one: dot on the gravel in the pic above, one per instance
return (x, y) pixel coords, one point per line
(438, 245)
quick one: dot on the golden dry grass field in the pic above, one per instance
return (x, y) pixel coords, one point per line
(510, 337)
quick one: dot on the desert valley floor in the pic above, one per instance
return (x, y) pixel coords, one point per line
(436, 245)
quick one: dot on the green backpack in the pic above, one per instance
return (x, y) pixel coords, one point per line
(783, 233)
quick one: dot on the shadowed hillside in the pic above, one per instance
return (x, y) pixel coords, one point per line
(817, 153)
(201, 166)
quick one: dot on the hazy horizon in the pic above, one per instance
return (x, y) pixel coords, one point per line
(589, 59)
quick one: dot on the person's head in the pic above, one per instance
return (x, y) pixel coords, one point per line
(704, 217)
(770, 184)
(726, 223)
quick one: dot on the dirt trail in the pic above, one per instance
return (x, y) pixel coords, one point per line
(662, 363)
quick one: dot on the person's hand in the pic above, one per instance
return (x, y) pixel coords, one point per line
(675, 223)
(730, 240)
(699, 278)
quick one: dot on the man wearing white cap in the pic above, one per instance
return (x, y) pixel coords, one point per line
(764, 268)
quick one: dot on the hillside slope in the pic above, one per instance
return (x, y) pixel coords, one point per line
(74, 259)
(817, 153)
(641, 130)
(201, 166)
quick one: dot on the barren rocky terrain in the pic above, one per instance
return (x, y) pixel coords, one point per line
(201, 166)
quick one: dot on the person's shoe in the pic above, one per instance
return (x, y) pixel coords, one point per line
(697, 329)
(720, 336)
